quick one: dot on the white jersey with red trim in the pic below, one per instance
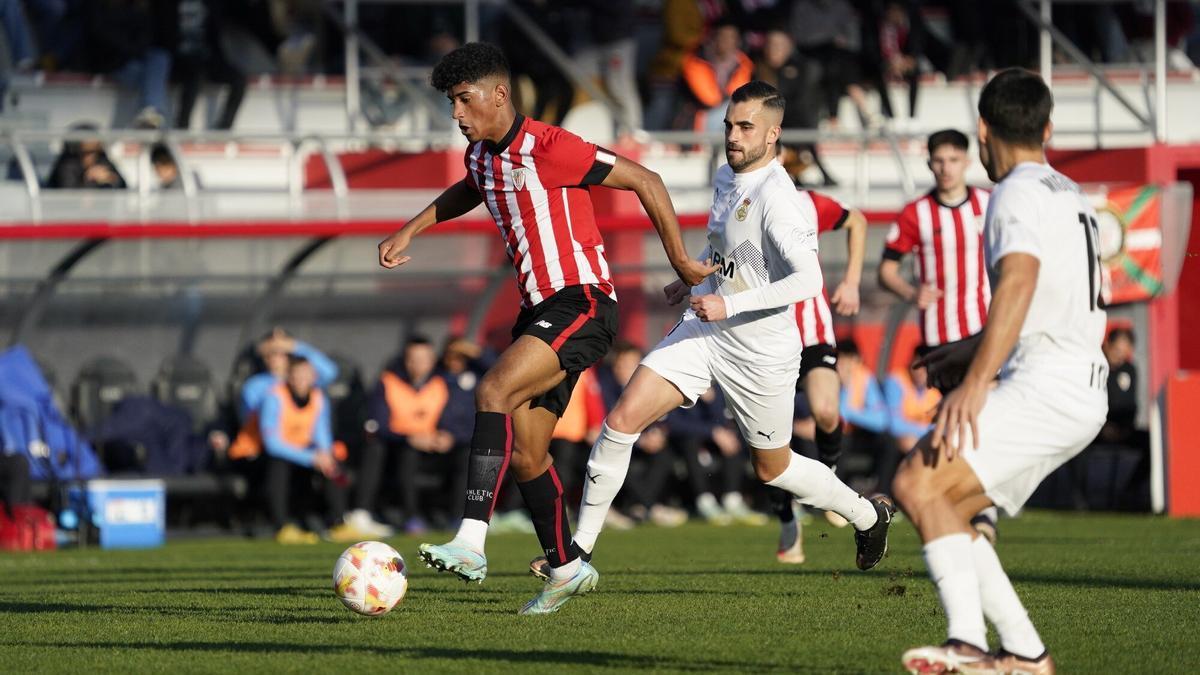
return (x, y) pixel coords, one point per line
(534, 183)
(947, 243)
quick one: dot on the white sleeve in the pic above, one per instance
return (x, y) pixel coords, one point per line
(802, 284)
(795, 238)
(1013, 223)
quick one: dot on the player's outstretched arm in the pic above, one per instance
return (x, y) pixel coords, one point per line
(845, 297)
(455, 201)
(1006, 314)
(652, 192)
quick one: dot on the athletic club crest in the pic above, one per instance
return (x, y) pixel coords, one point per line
(518, 176)
(743, 209)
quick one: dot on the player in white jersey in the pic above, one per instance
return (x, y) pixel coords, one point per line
(740, 332)
(994, 442)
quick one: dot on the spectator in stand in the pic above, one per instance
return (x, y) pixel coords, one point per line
(796, 79)
(125, 41)
(912, 404)
(273, 351)
(553, 92)
(827, 31)
(612, 54)
(297, 434)
(863, 407)
(894, 42)
(702, 434)
(16, 44)
(59, 30)
(84, 164)
(1120, 427)
(683, 26)
(1120, 432)
(405, 410)
(1137, 18)
(199, 57)
(712, 73)
(166, 170)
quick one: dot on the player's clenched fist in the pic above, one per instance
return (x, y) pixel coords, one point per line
(391, 250)
(709, 307)
(676, 291)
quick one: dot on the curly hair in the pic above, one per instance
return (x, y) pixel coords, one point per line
(469, 63)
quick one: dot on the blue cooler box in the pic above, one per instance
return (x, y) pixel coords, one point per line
(128, 513)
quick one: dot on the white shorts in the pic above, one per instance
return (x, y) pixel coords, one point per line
(761, 398)
(1029, 427)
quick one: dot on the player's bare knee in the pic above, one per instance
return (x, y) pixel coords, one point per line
(826, 415)
(768, 464)
(623, 420)
(492, 396)
(907, 489)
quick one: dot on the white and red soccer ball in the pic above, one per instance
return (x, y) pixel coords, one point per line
(370, 578)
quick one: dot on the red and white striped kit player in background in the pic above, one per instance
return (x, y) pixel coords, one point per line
(944, 232)
(534, 180)
(818, 361)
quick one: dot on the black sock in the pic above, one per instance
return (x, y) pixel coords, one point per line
(829, 445)
(491, 448)
(781, 503)
(544, 498)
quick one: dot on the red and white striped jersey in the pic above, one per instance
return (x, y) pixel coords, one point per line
(948, 245)
(534, 183)
(813, 315)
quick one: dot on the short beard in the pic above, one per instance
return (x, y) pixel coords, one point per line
(749, 157)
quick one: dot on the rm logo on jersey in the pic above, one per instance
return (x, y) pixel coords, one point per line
(518, 176)
(743, 209)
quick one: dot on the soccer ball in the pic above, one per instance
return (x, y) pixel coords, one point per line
(370, 578)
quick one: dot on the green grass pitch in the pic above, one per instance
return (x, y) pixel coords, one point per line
(1110, 594)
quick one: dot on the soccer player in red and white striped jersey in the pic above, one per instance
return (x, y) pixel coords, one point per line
(944, 231)
(534, 180)
(818, 361)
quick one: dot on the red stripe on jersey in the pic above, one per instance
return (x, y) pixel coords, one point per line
(537, 279)
(960, 303)
(578, 322)
(584, 230)
(566, 245)
(940, 269)
(536, 224)
(496, 196)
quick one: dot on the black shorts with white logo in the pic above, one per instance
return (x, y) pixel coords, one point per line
(817, 356)
(579, 323)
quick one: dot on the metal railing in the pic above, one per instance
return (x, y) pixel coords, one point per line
(1040, 13)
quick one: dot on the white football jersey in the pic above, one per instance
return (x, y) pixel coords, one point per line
(1038, 211)
(756, 229)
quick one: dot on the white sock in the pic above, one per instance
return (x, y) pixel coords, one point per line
(606, 469)
(1001, 605)
(952, 569)
(815, 484)
(733, 501)
(563, 572)
(472, 533)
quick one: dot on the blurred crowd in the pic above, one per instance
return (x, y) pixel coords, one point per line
(666, 64)
(324, 453)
